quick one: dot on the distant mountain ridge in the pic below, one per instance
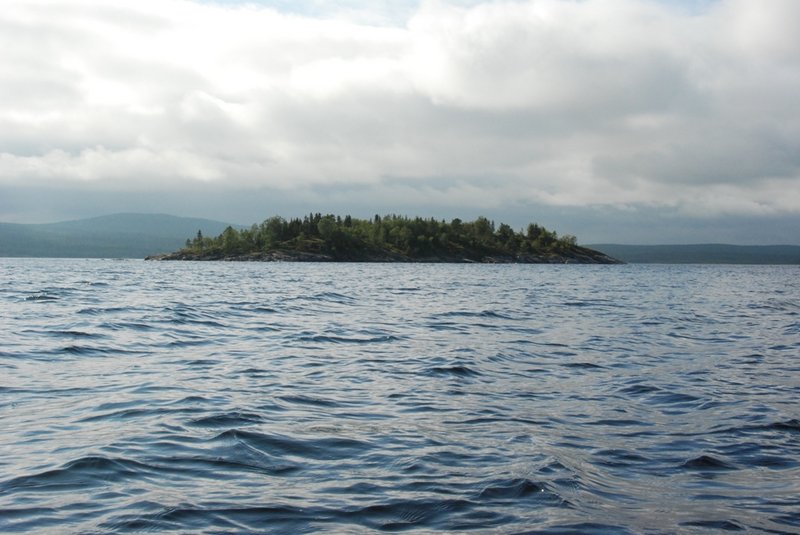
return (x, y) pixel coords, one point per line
(125, 235)
(712, 253)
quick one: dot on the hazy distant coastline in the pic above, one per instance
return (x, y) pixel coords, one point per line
(139, 235)
(125, 235)
(712, 253)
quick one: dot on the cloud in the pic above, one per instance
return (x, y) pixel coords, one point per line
(559, 102)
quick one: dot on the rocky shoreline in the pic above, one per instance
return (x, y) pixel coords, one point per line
(579, 255)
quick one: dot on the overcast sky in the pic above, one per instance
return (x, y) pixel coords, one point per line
(633, 121)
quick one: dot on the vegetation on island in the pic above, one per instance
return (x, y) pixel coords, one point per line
(389, 238)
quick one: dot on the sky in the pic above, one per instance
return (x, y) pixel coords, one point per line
(622, 121)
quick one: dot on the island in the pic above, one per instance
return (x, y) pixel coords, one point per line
(391, 238)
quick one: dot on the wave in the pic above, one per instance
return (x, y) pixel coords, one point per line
(327, 448)
(228, 420)
(331, 339)
(42, 297)
(470, 314)
(457, 370)
(88, 471)
(707, 463)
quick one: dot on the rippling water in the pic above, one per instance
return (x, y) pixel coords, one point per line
(235, 398)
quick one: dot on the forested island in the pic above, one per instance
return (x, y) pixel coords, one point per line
(392, 238)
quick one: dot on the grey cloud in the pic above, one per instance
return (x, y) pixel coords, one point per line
(708, 161)
(621, 103)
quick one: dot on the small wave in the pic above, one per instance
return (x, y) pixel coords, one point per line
(707, 462)
(86, 472)
(255, 372)
(388, 516)
(329, 339)
(470, 314)
(328, 448)
(578, 303)
(42, 297)
(673, 398)
(718, 525)
(121, 326)
(193, 399)
(200, 517)
(76, 334)
(776, 305)
(447, 326)
(225, 464)
(64, 333)
(85, 351)
(581, 528)
(400, 291)
(192, 319)
(423, 408)
(638, 390)
(458, 370)
(584, 366)
(331, 297)
(120, 415)
(452, 459)
(582, 303)
(228, 420)
(511, 489)
(789, 425)
(128, 414)
(100, 311)
(309, 400)
(621, 422)
(619, 458)
(368, 489)
(262, 310)
(191, 343)
(773, 462)
(198, 363)
(405, 514)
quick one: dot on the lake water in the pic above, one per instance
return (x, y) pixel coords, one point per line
(289, 398)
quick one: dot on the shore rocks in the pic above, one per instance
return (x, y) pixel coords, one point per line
(579, 255)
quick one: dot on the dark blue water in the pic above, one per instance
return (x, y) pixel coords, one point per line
(236, 398)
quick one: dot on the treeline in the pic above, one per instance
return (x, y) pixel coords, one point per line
(351, 238)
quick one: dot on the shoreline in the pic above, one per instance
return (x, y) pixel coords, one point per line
(579, 256)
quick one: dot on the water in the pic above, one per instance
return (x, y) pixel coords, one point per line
(236, 398)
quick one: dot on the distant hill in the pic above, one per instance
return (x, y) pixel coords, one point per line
(111, 236)
(702, 253)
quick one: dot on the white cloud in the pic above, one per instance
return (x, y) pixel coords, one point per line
(612, 102)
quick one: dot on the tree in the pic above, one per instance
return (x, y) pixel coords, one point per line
(569, 240)
(326, 227)
(534, 231)
(230, 241)
(505, 233)
(272, 229)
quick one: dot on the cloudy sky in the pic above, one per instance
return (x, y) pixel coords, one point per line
(632, 121)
